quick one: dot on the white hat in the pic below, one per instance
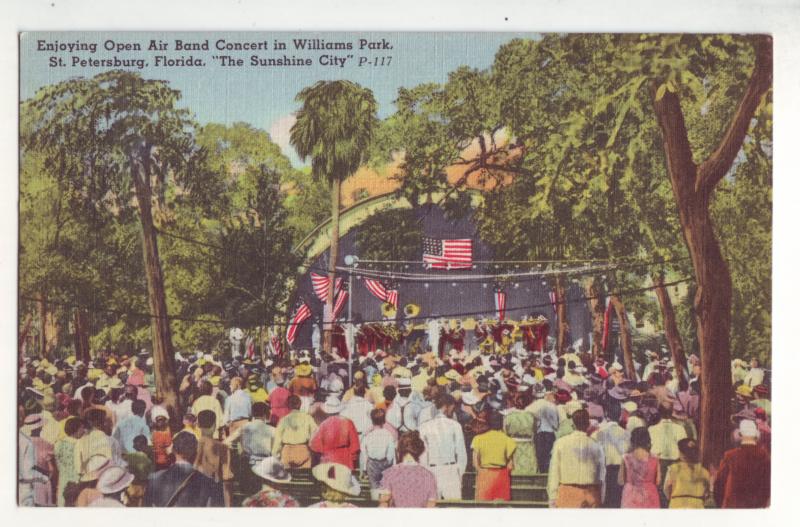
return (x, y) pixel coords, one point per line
(94, 467)
(748, 428)
(113, 480)
(158, 411)
(338, 477)
(629, 406)
(616, 366)
(469, 398)
(149, 361)
(335, 385)
(403, 382)
(271, 469)
(332, 405)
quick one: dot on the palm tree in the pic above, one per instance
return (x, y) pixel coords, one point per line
(334, 127)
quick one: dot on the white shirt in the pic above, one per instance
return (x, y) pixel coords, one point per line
(379, 443)
(754, 377)
(546, 414)
(444, 442)
(614, 441)
(427, 413)
(410, 409)
(357, 410)
(577, 459)
(665, 436)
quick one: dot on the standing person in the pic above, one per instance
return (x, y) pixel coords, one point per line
(256, 437)
(665, 436)
(404, 412)
(377, 450)
(743, 479)
(238, 407)
(640, 474)
(161, 438)
(358, 409)
(93, 443)
(336, 440)
(577, 469)
(65, 456)
(278, 396)
(140, 464)
(687, 484)
(213, 456)
(408, 484)
(613, 438)
(181, 485)
(520, 426)
(492, 457)
(111, 484)
(338, 483)
(26, 460)
(445, 452)
(545, 412)
(756, 374)
(303, 385)
(207, 401)
(272, 471)
(293, 435)
(44, 468)
(131, 426)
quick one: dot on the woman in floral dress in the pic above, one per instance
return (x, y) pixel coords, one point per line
(640, 473)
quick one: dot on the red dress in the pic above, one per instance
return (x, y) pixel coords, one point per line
(640, 491)
(337, 441)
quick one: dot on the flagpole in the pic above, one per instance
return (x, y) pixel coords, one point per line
(351, 261)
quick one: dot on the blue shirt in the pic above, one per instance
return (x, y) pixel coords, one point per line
(238, 406)
(128, 428)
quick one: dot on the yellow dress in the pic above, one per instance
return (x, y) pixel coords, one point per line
(690, 485)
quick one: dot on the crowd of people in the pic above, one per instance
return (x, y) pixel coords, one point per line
(97, 433)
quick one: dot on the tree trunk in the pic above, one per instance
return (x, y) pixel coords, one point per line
(81, 336)
(42, 337)
(23, 336)
(674, 340)
(693, 186)
(625, 336)
(163, 355)
(597, 310)
(327, 327)
(561, 314)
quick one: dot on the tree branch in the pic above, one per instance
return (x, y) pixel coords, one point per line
(713, 169)
(678, 152)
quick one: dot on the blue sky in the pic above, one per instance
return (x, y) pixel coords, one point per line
(264, 96)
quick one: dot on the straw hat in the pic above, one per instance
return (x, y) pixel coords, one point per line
(113, 480)
(338, 477)
(332, 405)
(271, 469)
(94, 467)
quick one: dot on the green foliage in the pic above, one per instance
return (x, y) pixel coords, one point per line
(334, 127)
(406, 233)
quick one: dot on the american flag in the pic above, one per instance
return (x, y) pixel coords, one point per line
(341, 300)
(447, 254)
(301, 315)
(377, 289)
(500, 304)
(380, 292)
(320, 284)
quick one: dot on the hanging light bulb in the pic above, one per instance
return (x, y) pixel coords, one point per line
(454, 284)
(544, 283)
(485, 285)
(426, 285)
(516, 286)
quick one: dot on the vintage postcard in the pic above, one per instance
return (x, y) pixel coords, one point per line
(394, 269)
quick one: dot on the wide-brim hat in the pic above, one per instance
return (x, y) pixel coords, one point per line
(34, 422)
(619, 393)
(744, 391)
(629, 406)
(271, 469)
(563, 396)
(338, 477)
(572, 406)
(95, 466)
(469, 398)
(332, 405)
(761, 390)
(113, 480)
